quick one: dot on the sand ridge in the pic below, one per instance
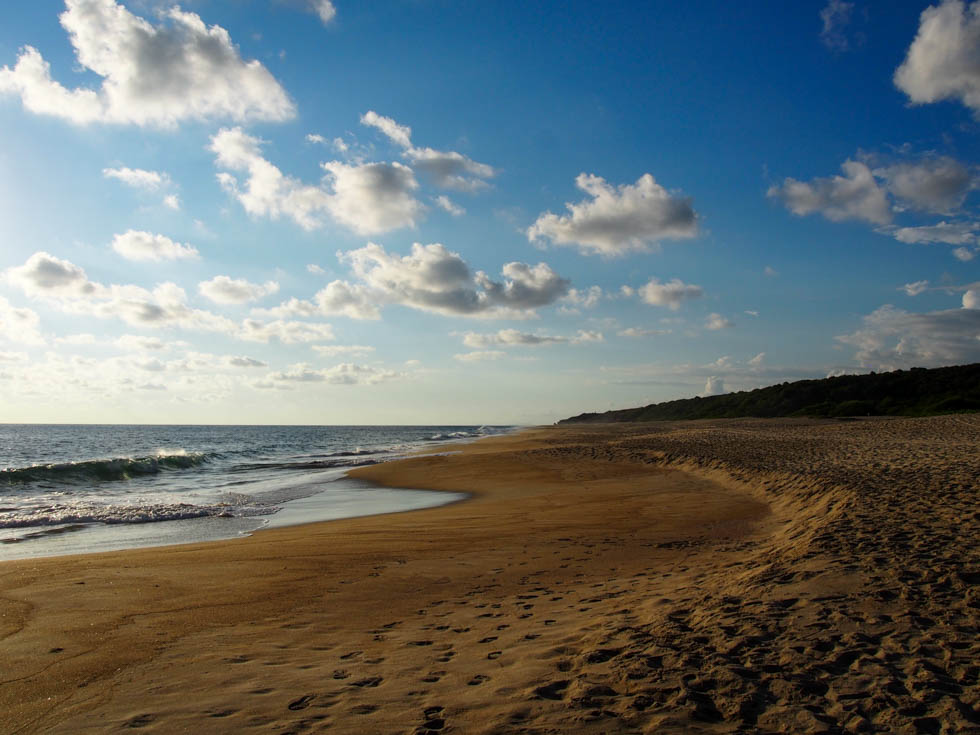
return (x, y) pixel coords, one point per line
(732, 576)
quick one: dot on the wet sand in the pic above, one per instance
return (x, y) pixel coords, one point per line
(729, 576)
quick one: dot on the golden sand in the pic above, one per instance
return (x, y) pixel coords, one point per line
(729, 576)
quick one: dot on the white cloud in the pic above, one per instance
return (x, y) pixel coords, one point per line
(433, 278)
(172, 201)
(449, 169)
(952, 233)
(444, 202)
(373, 197)
(19, 324)
(937, 184)
(139, 245)
(914, 289)
(836, 16)
(856, 195)
(316, 138)
(352, 300)
(717, 321)
(324, 9)
(138, 343)
(286, 332)
(400, 134)
(584, 336)
(334, 350)
(343, 374)
(245, 362)
(44, 275)
(642, 332)
(84, 338)
(315, 269)
(891, 338)
(151, 74)
(758, 360)
(137, 178)
(615, 221)
(481, 356)
(713, 386)
(971, 300)
(586, 298)
(943, 62)
(368, 198)
(669, 294)
(225, 290)
(964, 254)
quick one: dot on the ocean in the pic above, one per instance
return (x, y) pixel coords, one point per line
(67, 489)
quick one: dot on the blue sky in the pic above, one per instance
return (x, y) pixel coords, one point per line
(301, 211)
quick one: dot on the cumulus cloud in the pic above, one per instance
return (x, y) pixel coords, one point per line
(713, 386)
(758, 361)
(670, 294)
(717, 321)
(964, 254)
(943, 62)
(139, 245)
(180, 69)
(368, 198)
(433, 278)
(585, 297)
(324, 9)
(245, 362)
(225, 290)
(315, 269)
(938, 184)
(137, 178)
(971, 300)
(618, 220)
(952, 233)
(480, 356)
(344, 374)
(139, 343)
(19, 324)
(856, 195)
(449, 169)
(66, 285)
(892, 338)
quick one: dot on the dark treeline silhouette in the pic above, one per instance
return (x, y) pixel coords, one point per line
(915, 392)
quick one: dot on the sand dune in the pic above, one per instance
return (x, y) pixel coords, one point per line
(730, 576)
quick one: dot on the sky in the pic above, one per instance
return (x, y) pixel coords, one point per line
(461, 212)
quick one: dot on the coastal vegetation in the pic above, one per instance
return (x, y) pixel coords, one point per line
(914, 392)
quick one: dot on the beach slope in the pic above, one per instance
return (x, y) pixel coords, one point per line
(726, 576)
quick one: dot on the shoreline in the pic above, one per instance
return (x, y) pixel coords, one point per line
(738, 574)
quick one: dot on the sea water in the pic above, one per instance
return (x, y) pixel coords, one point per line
(67, 489)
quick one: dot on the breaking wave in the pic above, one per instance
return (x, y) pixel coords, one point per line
(103, 470)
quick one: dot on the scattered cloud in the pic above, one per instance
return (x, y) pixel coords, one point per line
(160, 75)
(367, 198)
(315, 269)
(891, 338)
(137, 178)
(285, 332)
(670, 294)
(758, 361)
(952, 233)
(713, 386)
(481, 356)
(172, 201)
(140, 245)
(516, 338)
(616, 221)
(941, 63)
(139, 343)
(770, 272)
(933, 184)
(971, 300)
(914, 289)
(836, 16)
(225, 290)
(643, 332)
(324, 9)
(334, 350)
(447, 204)
(344, 374)
(19, 324)
(964, 254)
(717, 321)
(245, 362)
(449, 169)
(856, 195)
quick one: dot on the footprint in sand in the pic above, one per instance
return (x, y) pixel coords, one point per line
(301, 703)
(477, 680)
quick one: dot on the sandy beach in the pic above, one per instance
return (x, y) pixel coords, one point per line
(724, 576)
